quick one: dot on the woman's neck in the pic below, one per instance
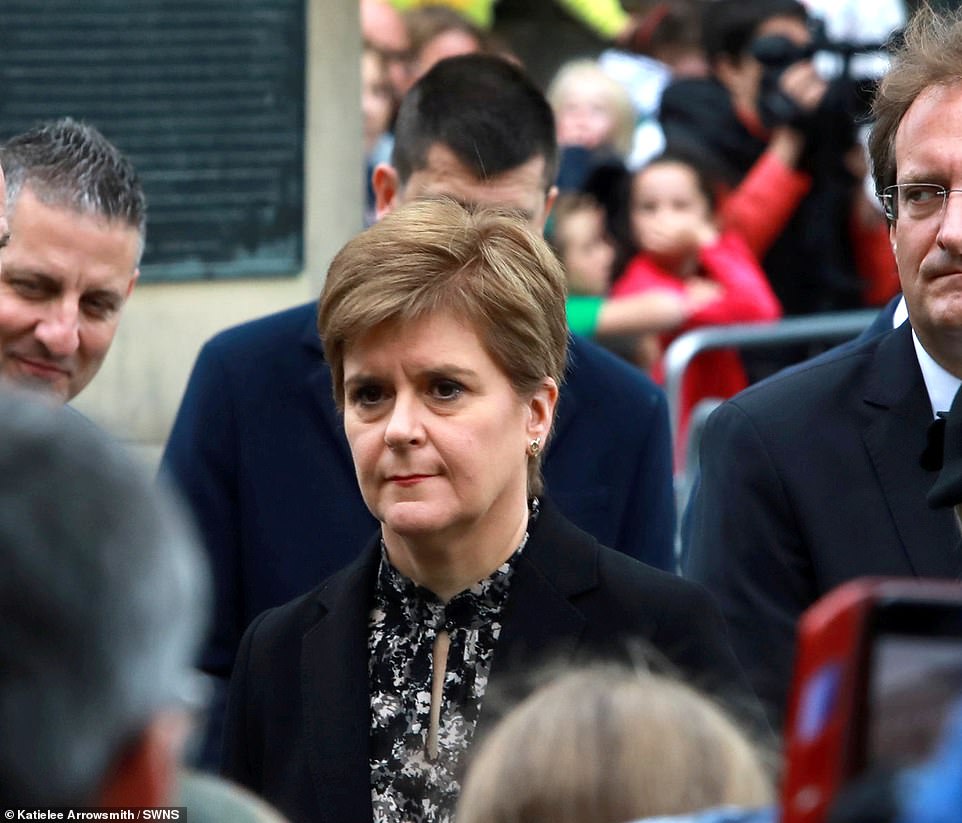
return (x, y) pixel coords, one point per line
(448, 562)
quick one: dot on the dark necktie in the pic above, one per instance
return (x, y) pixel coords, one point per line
(932, 454)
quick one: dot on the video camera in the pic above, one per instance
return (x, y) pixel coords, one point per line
(850, 90)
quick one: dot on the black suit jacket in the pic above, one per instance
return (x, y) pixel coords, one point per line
(299, 717)
(809, 479)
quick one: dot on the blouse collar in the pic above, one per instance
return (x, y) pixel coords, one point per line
(476, 606)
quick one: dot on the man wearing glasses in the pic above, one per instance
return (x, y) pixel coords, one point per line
(820, 475)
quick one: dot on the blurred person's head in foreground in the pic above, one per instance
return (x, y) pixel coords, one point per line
(76, 214)
(103, 602)
(477, 129)
(609, 744)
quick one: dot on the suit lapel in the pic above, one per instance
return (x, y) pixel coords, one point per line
(895, 438)
(334, 666)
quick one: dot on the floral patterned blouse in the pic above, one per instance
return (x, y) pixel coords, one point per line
(407, 784)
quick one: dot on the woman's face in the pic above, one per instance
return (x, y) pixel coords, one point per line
(437, 431)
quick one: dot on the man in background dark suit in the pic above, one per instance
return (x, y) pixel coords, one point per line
(257, 446)
(820, 474)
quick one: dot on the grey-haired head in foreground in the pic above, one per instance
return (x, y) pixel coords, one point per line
(103, 601)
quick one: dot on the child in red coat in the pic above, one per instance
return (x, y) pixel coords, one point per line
(683, 251)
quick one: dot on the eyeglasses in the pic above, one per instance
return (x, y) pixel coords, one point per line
(915, 200)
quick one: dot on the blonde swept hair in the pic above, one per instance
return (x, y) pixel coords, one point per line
(616, 98)
(483, 265)
(607, 744)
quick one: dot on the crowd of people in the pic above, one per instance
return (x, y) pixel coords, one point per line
(780, 157)
(434, 574)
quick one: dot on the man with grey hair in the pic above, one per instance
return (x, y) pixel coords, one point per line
(70, 246)
(103, 600)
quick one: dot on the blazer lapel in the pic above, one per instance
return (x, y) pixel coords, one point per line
(334, 666)
(895, 439)
(540, 617)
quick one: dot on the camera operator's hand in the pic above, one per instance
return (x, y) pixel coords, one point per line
(801, 84)
(792, 96)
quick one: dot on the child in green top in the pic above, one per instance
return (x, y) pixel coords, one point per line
(580, 239)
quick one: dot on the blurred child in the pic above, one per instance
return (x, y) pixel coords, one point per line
(577, 232)
(579, 237)
(594, 119)
(673, 225)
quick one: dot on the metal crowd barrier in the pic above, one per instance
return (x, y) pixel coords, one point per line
(829, 327)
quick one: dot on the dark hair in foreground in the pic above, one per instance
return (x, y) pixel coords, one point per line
(71, 164)
(609, 744)
(484, 265)
(481, 107)
(103, 601)
(930, 55)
